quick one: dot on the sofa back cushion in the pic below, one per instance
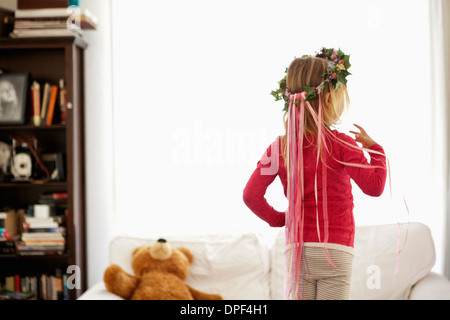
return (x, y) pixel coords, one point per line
(235, 265)
(375, 261)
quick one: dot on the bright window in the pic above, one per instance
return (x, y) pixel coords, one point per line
(193, 112)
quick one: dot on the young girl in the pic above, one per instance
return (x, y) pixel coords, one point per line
(315, 165)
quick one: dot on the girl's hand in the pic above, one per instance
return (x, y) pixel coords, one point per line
(363, 137)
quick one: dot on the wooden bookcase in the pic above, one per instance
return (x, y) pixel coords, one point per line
(48, 60)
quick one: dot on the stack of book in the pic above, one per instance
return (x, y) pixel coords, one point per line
(52, 22)
(42, 236)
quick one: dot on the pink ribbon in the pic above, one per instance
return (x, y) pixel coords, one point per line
(295, 216)
(397, 249)
(295, 190)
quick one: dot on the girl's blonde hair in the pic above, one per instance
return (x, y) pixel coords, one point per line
(309, 71)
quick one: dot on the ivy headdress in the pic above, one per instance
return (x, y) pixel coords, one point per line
(336, 73)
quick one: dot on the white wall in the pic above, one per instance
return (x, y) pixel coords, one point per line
(100, 221)
(201, 117)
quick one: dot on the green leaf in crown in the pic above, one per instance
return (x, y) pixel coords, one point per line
(337, 72)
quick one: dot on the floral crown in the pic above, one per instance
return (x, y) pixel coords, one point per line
(337, 71)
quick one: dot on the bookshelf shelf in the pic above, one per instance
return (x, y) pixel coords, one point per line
(50, 184)
(54, 127)
(33, 258)
(49, 60)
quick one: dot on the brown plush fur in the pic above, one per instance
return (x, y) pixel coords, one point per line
(155, 279)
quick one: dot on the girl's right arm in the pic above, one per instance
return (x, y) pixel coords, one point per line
(369, 176)
(255, 190)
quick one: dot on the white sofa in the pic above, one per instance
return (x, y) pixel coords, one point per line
(245, 266)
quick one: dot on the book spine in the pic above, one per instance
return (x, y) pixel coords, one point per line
(41, 4)
(34, 286)
(43, 287)
(36, 103)
(24, 284)
(9, 283)
(62, 101)
(17, 283)
(65, 288)
(51, 105)
(45, 98)
(54, 195)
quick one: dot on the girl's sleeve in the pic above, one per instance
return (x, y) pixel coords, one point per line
(371, 180)
(254, 192)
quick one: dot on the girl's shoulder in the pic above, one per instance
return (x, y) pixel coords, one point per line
(343, 144)
(343, 137)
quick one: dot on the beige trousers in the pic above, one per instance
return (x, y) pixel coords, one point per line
(321, 281)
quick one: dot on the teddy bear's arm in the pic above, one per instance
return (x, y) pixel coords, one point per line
(119, 282)
(199, 295)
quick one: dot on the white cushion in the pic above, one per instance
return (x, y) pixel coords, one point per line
(99, 292)
(277, 267)
(375, 248)
(235, 265)
(432, 287)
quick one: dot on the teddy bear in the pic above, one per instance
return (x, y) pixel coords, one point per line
(159, 274)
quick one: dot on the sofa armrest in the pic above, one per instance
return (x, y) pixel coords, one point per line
(99, 292)
(432, 287)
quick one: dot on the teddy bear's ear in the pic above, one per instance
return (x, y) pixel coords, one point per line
(187, 253)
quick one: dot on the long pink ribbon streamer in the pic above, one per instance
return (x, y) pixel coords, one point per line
(295, 216)
(397, 250)
(294, 219)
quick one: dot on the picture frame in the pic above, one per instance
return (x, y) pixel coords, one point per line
(13, 97)
(54, 162)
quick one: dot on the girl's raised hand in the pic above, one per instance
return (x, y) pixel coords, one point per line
(363, 138)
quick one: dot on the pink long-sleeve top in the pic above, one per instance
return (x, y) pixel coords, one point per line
(341, 227)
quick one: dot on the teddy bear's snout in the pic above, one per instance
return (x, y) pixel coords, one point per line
(161, 250)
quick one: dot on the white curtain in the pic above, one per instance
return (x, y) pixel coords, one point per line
(440, 80)
(193, 111)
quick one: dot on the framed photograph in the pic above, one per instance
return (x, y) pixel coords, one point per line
(13, 97)
(54, 162)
